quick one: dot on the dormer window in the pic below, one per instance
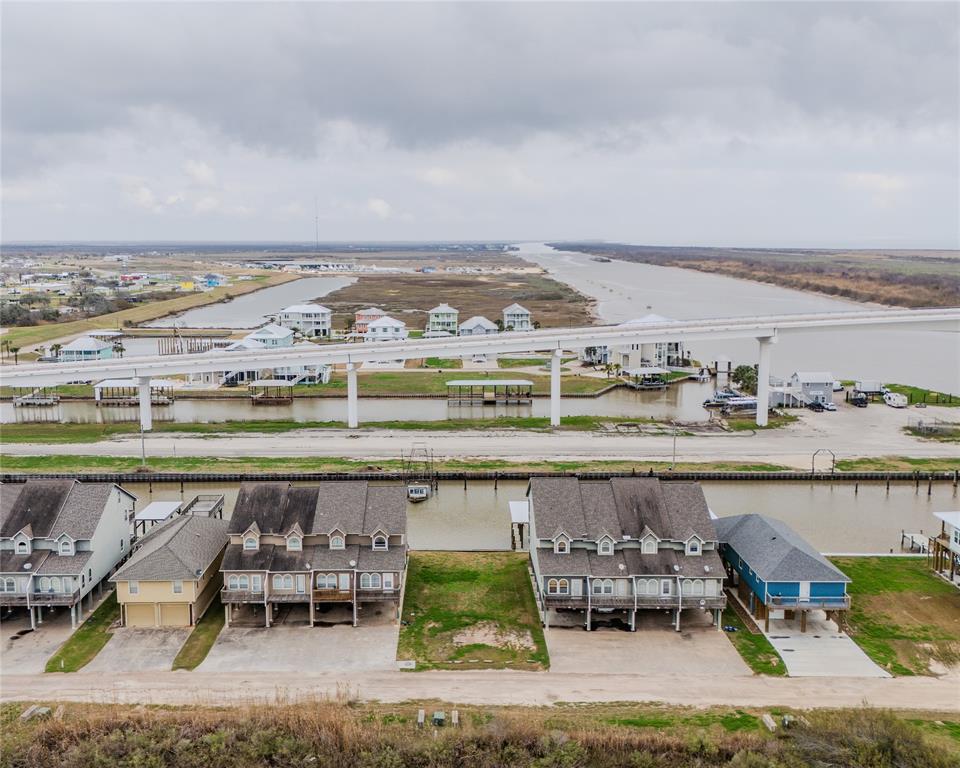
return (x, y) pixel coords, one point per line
(649, 546)
(250, 543)
(295, 543)
(65, 547)
(693, 546)
(605, 547)
(337, 542)
(380, 542)
(561, 546)
(23, 547)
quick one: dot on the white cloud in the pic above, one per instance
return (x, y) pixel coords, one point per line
(207, 204)
(380, 207)
(200, 173)
(438, 177)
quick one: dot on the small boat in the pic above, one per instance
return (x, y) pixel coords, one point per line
(417, 492)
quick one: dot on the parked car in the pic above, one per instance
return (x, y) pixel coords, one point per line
(829, 406)
(860, 401)
(838, 386)
(816, 406)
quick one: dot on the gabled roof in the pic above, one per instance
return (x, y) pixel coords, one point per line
(444, 308)
(774, 550)
(85, 344)
(241, 345)
(386, 322)
(813, 377)
(306, 309)
(270, 331)
(53, 507)
(181, 548)
(479, 320)
(514, 309)
(370, 311)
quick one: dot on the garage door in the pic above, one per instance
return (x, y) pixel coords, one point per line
(140, 615)
(175, 615)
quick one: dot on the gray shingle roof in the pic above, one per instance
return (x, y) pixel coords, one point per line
(65, 565)
(774, 550)
(277, 559)
(55, 507)
(178, 549)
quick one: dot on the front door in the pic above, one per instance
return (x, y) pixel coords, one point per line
(388, 581)
(665, 587)
(344, 582)
(804, 590)
(301, 583)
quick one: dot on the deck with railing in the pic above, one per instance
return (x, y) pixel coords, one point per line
(812, 603)
(241, 596)
(631, 601)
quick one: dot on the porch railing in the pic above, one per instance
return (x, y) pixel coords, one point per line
(823, 603)
(240, 596)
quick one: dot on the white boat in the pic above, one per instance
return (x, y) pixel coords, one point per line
(418, 491)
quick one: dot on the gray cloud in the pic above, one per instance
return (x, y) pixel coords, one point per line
(423, 87)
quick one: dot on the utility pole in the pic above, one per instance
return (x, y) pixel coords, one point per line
(673, 463)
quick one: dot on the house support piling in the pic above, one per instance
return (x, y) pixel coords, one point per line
(555, 361)
(352, 415)
(763, 379)
(146, 403)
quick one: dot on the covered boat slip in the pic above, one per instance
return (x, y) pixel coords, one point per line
(271, 392)
(507, 391)
(126, 391)
(647, 377)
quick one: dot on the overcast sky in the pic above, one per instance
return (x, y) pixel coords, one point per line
(716, 124)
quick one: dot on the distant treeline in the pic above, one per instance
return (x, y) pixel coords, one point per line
(866, 277)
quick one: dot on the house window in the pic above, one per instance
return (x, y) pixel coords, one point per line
(687, 587)
(326, 581)
(380, 542)
(698, 588)
(665, 588)
(388, 581)
(66, 548)
(244, 581)
(249, 543)
(603, 586)
(23, 547)
(649, 547)
(232, 581)
(55, 584)
(256, 583)
(133, 587)
(561, 547)
(336, 542)
(294, 543)
(693, 547)
(178, 587)
(369, 581)
(605, 547)
(558, 587)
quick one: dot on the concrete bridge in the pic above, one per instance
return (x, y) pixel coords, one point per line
(765, 329)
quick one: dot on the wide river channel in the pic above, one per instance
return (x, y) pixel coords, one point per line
(834, 517)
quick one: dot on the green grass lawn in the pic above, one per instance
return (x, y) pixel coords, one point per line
(202, 638)
(755, 650)
(89, 639)
(521, 362)
(921, 395)
(749, 423)
(731, 721)
(897, 464)
(471, 610)
(443, 362)
(901, 614)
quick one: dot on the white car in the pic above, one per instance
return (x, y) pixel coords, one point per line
(829, 406)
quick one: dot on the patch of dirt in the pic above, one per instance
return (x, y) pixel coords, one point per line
(488, 633)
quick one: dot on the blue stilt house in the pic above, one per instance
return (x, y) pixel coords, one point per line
(778, 574)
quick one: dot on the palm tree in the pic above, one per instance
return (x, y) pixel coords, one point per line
(118, 348)
(15, 350)
(55, 349)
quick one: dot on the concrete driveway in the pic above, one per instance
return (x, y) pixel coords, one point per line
(821, 651)
(292, 648)
(139, 649)
(25, 651)
(655, 649)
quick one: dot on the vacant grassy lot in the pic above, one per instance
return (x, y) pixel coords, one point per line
(902, 615)
(471, 610)
(921, 395)
(361, 735)
(897, 464)
(443, 362)
(409, 297)
(748, 423)
(23, 337)
(755, 650)
(201, 640)
(88, 640)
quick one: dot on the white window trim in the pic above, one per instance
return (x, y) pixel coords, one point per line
(605, 547)
(249, 539)
(334, 542)
(381, 547)
(564, 542)
(298, 547)
(178, 586)
(133, 587)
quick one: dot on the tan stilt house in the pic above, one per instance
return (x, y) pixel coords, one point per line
(314, 548)
(174, 574)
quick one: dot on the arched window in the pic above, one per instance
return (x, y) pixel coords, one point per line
(287, 581)
(687, 587)
(55, 584)
(379, 542)
(369, 581)
(44, 584)
(693, 547)
(552, 587)
(603, 586)
(561, 547)
(651, 586)
(243, 581)
(277, 581)
(294, 543)
(605, 547)
(250, 543)
(336, 542)
(563, 587)
(66, 547)
(649, 546)
(698, 587)
(23, 548)
(232, 581)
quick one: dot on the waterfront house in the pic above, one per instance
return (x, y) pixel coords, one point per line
(385, 328)
(311, 320)
(272, 336)
(58, 540)
(657, 354)
(517, 318)
(442, 319)
(85, 348)
(623, 545)
(813, 386)
(778, 575)
(363, 317)
(215, 280)
(314, 547)
(478, 326)
(173, 574)
(945, 547)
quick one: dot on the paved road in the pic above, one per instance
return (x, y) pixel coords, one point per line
(849, 432)
(483, 687)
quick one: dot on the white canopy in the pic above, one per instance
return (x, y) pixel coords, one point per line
(519, 511)
(490, 383)
(650, 370)
(157, 511)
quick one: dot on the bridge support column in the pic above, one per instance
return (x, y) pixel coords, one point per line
(352, 419)
(146, 404)
(555, 388)
(763, 379)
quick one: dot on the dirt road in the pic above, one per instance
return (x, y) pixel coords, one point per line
(482, 687)
(849, 432)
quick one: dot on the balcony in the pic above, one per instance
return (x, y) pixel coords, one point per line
(288, 597)
(332, 596)
(629, 601)
(240, 596)
(54, 598)
(370, 595)
(812, 603)
(13, 598)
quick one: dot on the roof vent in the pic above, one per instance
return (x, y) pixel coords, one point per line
(706, 569)
(676, 567)
(27, 566)
(353, 563)
(621, 566)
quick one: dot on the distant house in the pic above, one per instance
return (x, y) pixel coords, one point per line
(363, 317)
(776, 572)
(442, 319)
(813, 386)
(214, 280)
(58, 540)
(478, 326)
(945, 547)
(385, 329)
(658, 354)
(315, 547)
(174, 573)
(85, 348)
(309, 319)
(517, 318)
(623, 545)
(272, 336)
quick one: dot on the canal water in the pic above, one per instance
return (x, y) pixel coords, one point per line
(681, 402)
(623, 290)
(838, 517)
(250, 310)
